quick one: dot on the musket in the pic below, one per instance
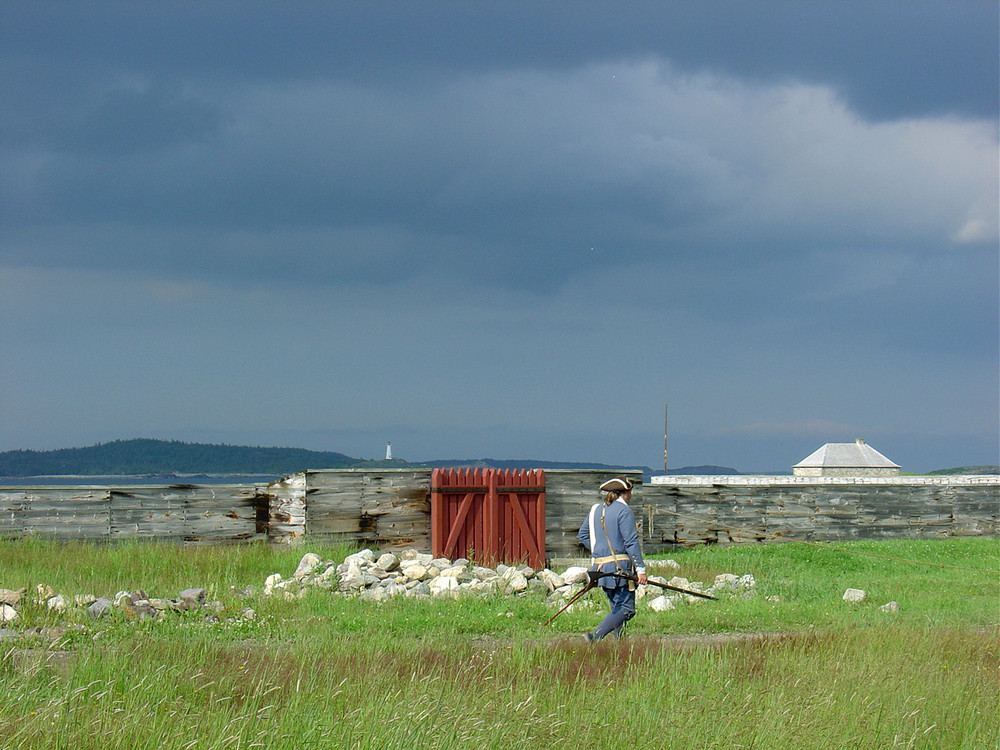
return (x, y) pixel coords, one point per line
(594, 577)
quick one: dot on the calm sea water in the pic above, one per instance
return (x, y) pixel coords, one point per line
(119, 481)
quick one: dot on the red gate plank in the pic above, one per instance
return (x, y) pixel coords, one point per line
(490, 515)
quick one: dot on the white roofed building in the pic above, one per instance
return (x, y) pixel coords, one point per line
(846, 460)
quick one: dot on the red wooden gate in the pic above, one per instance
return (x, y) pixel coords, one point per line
(489, 515)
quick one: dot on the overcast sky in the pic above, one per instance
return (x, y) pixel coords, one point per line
(503, 229)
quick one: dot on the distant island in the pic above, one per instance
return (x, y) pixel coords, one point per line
(172, 458)
(147, 457)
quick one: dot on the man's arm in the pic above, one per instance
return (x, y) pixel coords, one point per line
(584, 534)
(629, 530)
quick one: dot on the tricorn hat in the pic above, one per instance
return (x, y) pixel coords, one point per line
(618, 484)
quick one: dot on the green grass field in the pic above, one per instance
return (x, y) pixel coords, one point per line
(793, 666)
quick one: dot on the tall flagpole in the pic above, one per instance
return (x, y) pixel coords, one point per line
(665, 439)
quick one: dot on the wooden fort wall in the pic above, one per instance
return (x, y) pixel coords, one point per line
(390, 509)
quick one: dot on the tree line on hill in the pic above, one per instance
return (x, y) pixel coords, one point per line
(144, 457)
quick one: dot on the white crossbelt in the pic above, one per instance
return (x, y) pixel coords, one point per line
(609, 558)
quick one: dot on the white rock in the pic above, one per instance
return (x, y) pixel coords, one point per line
(354, 569)
(453, 572)
(641, 592)
(269, 584)
(551, 580)
(375, 595)
(420, 589)
(854, 595)
(7, 613)
(890, 607)
(746, 582)
(680, 582)
(575, 575)
(444, 586)
(84, 600)
(515, 582)
(388, 562)
(394, 589)
(13, 598)
(352, 583)
(44, 593)
(661, 604)
(416, 572)
(725, 579)
(58, 603)
(309, 561)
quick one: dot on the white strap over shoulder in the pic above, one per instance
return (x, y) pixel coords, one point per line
(593, 525)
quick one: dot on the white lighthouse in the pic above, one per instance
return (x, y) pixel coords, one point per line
(388, 451)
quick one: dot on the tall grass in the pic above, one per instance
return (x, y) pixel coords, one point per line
(327, 671)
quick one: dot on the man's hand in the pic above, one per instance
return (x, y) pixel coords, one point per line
(642, 579)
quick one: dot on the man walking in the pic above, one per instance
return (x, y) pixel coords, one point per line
(611, 535)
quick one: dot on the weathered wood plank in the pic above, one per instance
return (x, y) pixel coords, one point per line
(391, 509)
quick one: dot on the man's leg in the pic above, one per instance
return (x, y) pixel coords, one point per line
(622, 610)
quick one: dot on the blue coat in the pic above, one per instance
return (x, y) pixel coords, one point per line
(619, 520)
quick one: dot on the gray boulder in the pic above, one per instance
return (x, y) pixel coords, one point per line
(309, 561)
(13, 598)
(192, 597)
(100, 607)
(855, 596)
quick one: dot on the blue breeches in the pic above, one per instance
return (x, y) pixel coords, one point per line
(622, 610)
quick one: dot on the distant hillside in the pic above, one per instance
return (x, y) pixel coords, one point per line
(140, 457)
(143, 457)
(706, 471)
(993, 470)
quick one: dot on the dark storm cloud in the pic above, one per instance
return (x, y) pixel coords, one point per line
(890, 59)
(789, 199)
(520, 173)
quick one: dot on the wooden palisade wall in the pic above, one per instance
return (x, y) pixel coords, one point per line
(184, 513)
(390, 509)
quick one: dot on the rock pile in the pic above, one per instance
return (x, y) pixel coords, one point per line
(374, 578)
(377, 578)
(134, 605)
